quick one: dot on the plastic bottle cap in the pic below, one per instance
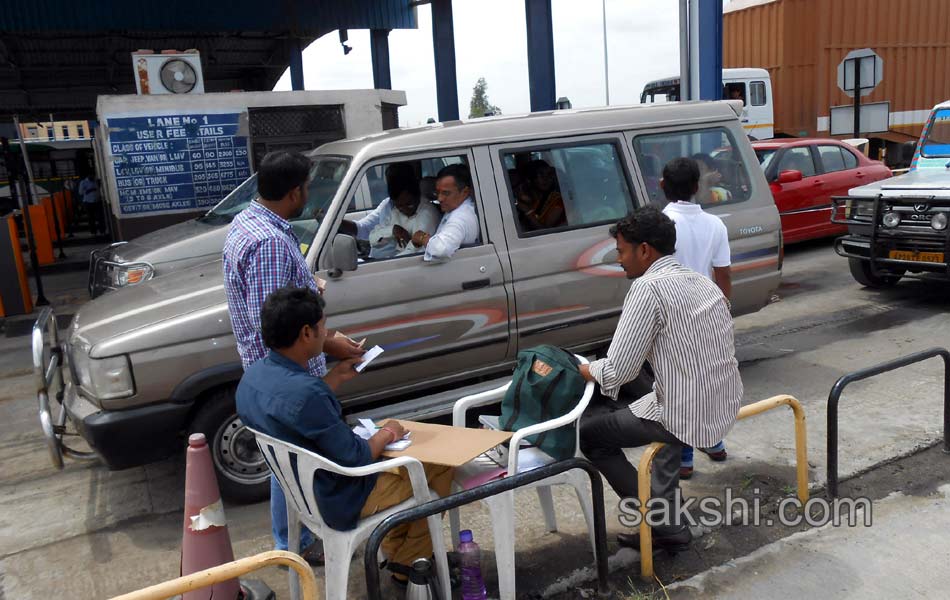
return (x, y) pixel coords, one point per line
(465, 535)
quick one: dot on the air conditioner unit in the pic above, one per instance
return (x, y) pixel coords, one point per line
(170, 72)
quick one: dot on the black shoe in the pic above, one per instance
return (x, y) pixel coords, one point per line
(671, 542)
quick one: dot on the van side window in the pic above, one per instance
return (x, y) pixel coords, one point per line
(567, 187)
(724, 176)
(383, 233)
(757, 93)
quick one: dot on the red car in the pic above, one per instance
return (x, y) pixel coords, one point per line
(804, 173)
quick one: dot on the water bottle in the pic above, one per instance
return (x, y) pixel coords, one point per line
(473, 586)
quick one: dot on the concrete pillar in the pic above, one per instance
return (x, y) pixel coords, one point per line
(443, 43)
(710, 49)
(296, 65)
(540, 29)
(379, 50)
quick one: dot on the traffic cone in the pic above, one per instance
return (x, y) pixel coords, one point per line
(205, 542)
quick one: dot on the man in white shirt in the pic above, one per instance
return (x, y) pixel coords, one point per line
(459, 224)
(702, 244)
(389, 227)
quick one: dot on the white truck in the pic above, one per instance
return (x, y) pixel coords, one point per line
(752, 86)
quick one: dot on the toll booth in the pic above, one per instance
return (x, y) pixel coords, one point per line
(164, 159)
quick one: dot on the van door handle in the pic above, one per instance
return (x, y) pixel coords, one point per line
(476, 283)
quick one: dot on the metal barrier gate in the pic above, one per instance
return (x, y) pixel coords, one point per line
(643, 472)
(491, 489)
(835, 395)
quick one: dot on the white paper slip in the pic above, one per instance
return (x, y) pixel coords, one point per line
(370, 355)
(366, 429)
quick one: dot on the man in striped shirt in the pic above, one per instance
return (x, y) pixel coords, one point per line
(262, 254)
(679, 321)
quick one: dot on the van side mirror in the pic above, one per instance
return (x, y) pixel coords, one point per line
(789, 176)
(342, 255)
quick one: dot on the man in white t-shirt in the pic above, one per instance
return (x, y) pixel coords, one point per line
(702, 244)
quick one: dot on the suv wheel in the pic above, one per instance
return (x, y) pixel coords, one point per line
(861, 271)
(243, 475)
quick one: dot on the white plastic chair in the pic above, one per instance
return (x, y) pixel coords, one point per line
(338, 546)
(502, 506)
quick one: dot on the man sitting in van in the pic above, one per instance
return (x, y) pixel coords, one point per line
(279, 397)
(390, 226)
(459, 225)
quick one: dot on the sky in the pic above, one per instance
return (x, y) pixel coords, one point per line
(490, 42)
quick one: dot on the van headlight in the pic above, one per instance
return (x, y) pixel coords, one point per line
(103, 378)
(131, 273)
(939, 221)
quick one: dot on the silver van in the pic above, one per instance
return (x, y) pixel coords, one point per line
(148, 363)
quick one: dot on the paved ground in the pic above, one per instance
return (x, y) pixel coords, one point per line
(98, 533)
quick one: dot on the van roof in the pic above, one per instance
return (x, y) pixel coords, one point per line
(945, 104)
(556, 123)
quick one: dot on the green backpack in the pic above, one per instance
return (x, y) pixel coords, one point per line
(546, 384)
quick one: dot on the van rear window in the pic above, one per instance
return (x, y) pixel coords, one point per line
(724, 178)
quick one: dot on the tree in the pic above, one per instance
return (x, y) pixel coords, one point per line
(480, 106)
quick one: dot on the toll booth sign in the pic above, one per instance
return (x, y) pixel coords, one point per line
(176, 163)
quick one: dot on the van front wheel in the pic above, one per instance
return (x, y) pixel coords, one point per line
(241, 471)
(861, 271)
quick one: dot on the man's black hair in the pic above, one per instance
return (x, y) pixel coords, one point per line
(280, 172)
(401, 177)
(285, 312)
(680, 179)
(647, 224)
(463, 177)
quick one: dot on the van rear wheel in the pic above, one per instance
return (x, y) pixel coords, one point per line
(242, 474)
(861, 271)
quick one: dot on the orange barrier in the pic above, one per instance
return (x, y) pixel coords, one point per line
(20, 270)
(70, 204)
(41, 234)
(62, 210)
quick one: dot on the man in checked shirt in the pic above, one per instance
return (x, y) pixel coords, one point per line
(679, 321)
(262, 254)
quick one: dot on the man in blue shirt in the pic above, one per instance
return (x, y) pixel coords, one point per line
(279, 397)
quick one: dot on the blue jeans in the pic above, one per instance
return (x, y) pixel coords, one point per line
(278, 519)
(686, 458)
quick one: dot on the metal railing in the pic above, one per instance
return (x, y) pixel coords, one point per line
(231, 570)
(484, 491)
(48, 375)
(835, 396)
(643, 474)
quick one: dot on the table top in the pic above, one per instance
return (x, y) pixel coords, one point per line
(447, 445)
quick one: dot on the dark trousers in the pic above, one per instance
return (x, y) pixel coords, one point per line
(608, 427)
(94, 214)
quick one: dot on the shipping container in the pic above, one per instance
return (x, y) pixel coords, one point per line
(802, 42)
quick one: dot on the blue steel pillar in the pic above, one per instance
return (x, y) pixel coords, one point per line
(443, 43)
(379, 49)
(296, 65)
(540, 54)
(710, 49)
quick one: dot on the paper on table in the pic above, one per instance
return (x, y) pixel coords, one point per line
(370, 355)
(366, 429)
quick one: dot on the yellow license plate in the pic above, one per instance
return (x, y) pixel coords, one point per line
(932, 257)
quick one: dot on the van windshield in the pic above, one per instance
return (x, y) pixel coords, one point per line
(325, 177)
(937, 141)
